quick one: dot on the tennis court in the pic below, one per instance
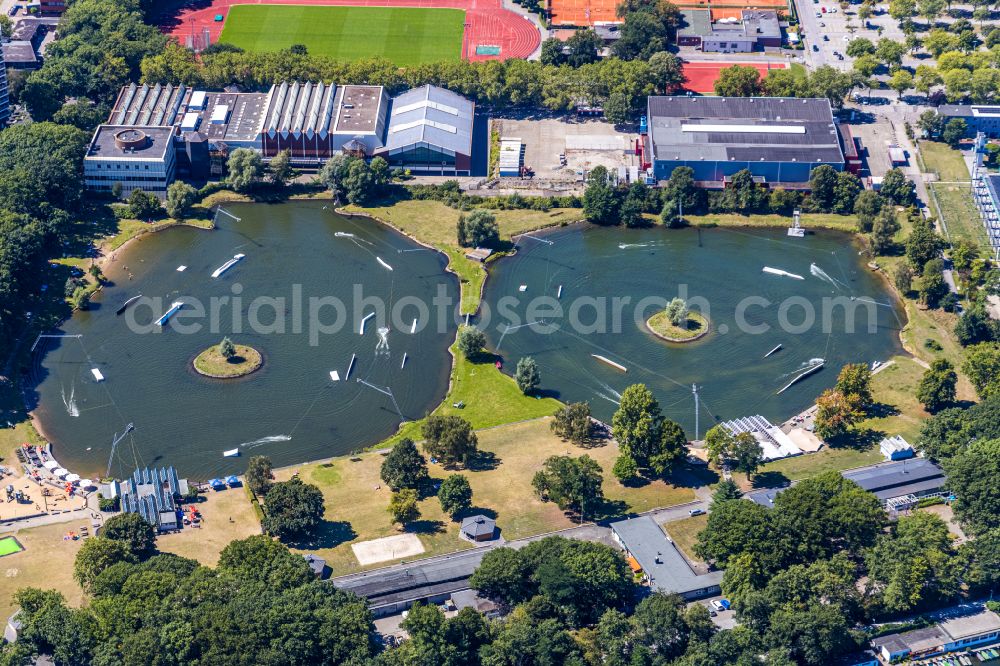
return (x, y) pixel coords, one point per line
(701, 76)
(582, 12)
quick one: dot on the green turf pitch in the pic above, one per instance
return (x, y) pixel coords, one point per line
(404, 35)
(9, 546)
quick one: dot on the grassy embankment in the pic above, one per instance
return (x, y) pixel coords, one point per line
(695, 325)
(356, 498)
(952, 200)
(213, 364)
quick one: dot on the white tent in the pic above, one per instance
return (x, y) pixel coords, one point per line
(50, 464)
(87, 483)
(60, 472)
(73, 478)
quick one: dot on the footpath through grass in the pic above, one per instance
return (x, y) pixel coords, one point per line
(402, 35)
(356, 498)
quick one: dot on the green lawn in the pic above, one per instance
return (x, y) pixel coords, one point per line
(824, 220)
(684, 533)
(404, 35)
(356, 498)
(958, 210)
(945, 161)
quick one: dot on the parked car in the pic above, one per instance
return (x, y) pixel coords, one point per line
(720, 604)
(13, 10)
(696, 512)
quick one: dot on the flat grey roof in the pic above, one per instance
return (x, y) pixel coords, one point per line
(666, 568)
(103, 144)
(361, 110)
(965, 626)
(695, 22)
(20, 52)
(761, 22)
(417, 580)
(745, 129)
(432, 115)
(884, 476)
(243, 121)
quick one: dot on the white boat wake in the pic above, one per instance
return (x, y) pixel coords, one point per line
(265, 440)
(778, 271)
(816, 271)
(805, 364)
(628, 246)
(70, 403)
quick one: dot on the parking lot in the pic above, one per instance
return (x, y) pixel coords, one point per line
(875, 137)
(586, 143)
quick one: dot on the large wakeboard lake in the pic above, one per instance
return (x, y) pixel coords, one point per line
(301, 260)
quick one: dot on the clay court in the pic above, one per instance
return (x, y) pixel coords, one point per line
(701, 76)
(491, 32)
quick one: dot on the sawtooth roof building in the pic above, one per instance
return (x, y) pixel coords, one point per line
(779, 139)
(428, 129)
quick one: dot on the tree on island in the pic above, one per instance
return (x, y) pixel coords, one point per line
(292, 509)
(403, 506)
(572, 483)
(471, 342)
(527, 376)
(677, 312)
(450, 439)
(573, 422)
(258, 475)
(404, 467)
(227, 349)
(455, 495)
(937, 386)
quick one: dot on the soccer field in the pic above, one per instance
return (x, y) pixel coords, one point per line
(404, 35)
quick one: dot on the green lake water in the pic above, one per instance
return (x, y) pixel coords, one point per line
(721, 266)
(291, 409)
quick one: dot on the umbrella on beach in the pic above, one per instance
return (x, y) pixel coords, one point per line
(50, 464)
(87, 483)
(72, 478)
(60, 472)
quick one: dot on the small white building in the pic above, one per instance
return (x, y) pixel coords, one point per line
(896, 448)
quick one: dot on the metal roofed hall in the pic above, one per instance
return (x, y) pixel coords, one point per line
(434, 116)
(663, 565)
(894, 474)
(802, 129)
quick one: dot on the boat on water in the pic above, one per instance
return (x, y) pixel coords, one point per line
(776, 349)
(231, 453)
(97, 374)
(127, 303)
(605, 359)
(802, 375)
(384, 265)
(174, 307)
(229, 264)
(778, 271)
(343, 234)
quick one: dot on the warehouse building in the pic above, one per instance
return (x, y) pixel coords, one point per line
(191, 132)
(430, 132)
(966, 628)
(779, 139)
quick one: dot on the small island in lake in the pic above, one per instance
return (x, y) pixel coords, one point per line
(676, 323)
(227, 360)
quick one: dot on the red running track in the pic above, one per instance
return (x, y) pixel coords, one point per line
(487, 23)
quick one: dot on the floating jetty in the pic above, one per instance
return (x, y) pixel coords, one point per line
(523, 287)
(605, 359)
(778, 348)
(384, 265)
(97, 374)
(174, 307)
(413, 326)
(229, 264)
(231, 453)
(361, 329)
(181, 269)
(778, 271)
(127, 303)
(403, 364)
(343, 234)
(350, 366)
(559, 293)
(334, 375)
(802, 375)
